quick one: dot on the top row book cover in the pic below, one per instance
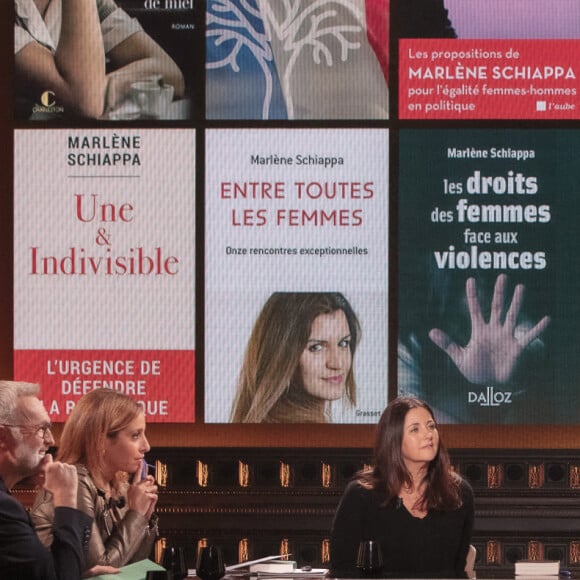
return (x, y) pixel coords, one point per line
(136, 60)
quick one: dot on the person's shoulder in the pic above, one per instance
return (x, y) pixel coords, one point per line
(22, 8)
(11, 508)
(356, 488)
(364, 491)
(465, 488)
(42, 502)
(82, 471)
(358, 485)
(356, 499)
(463, 484)
(86, 482)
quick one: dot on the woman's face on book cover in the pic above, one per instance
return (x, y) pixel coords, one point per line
(327, 357)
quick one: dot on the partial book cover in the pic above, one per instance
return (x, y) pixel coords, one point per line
(104, 268)
(537, 568)
(122, 60)
(296, 264)
(269, 60)
(488, 274)
(489, 59)
(275, 567)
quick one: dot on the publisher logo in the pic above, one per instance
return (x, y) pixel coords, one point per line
(47, 99)
(48, 104)
(489, 397)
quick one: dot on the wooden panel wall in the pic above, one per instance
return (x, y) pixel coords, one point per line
(255, 502)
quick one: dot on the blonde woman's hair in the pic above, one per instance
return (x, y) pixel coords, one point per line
(98, 415)
(270, 388)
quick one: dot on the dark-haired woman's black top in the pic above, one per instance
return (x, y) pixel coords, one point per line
(434, 546)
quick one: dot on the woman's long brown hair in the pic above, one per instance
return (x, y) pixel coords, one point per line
(270, 387)
(390, 474)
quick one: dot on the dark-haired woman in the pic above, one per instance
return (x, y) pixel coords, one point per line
(411, 502)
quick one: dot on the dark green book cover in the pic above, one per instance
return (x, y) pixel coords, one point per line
(489, 274)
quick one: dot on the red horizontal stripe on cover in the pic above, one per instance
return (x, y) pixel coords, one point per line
(489, 79)
(162, 381)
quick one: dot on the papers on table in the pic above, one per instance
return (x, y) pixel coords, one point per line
(243, 569)
(136, 571)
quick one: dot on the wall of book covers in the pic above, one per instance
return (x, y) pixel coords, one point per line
(277, 212)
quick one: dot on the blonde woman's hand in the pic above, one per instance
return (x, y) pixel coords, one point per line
(98, 570)
(153, 495)
(142, 495)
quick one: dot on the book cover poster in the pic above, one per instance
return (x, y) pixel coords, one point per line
(497, 59)
(122, 60)
(488, 274)
(104, 272)
(267, 59)
(296, 275)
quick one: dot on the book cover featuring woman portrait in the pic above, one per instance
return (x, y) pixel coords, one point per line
(296, 264)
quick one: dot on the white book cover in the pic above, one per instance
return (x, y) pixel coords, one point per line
(294, 216)
(104, 266)
(537, 567)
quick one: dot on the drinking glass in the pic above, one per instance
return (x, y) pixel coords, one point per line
(370, 559)
(158, 575)
(210, 563)
(173, 560)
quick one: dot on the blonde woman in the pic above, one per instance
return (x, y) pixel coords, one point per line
(299, 358)
(105, 438)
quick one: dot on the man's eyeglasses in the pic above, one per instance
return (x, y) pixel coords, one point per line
(41, 430)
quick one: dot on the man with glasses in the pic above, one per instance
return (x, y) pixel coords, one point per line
(25, 437)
